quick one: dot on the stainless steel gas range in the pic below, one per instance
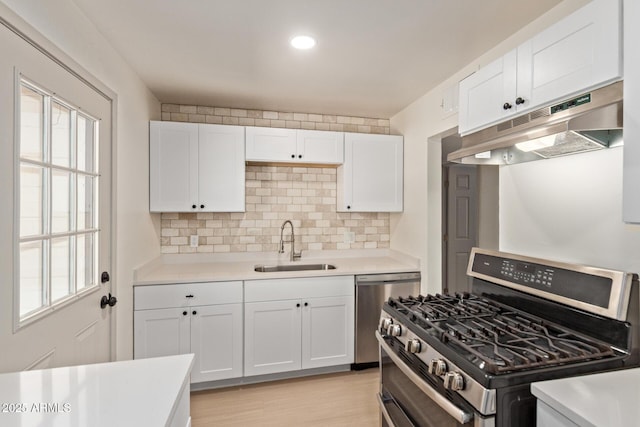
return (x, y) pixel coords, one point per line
(469, 359)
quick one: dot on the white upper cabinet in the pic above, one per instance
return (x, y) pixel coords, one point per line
(631, 157)
(196, 167)
(293, 146)
(371, 178)
(578, 53)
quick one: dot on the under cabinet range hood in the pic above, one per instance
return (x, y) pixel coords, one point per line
(587, 122)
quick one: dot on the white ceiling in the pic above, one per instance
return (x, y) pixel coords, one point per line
(373, 57)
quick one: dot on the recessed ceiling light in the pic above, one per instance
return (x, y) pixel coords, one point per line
(303, 42)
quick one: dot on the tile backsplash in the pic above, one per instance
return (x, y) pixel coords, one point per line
(305, 195)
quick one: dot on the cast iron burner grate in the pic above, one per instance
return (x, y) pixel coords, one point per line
(495, 337)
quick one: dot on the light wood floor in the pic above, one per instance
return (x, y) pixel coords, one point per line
(343, 399)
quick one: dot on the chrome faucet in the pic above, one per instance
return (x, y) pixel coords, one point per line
(294, 255)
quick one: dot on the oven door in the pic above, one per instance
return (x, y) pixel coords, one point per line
(407, 399)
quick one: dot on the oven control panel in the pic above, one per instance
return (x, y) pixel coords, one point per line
(572, 284)
(525, 273)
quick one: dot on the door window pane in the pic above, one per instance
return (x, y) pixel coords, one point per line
(60, 198)
(60, 260)
(31, 199)
(84, 264)
(31, 124)
(60, 135)
(85, 203)
(31, 277)
(86, 151)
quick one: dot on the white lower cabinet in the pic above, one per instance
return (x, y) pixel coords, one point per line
(293, 324)
(202, 318)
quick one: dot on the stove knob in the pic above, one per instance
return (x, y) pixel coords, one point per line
(454, 381)
(385, 323)
(413, 346)
(394, 330)
(437, 367)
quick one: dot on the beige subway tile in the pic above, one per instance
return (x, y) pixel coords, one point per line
(384, 122)
(177, 241)
(245, 121)
(204, 249)
(171, 108)
(215, 223)
(308, 125)
(278, 123)
(301, 117)
(169, 232)
(323, 126)
(197, 118)
(215, 120)
(221, 248)
(166, 116)
(314, 117)
(188, 109)
(329, 119)
(254, 114)
(344, 120)
(222, 111)
(370, 122)
(169, 249)
(230, 121)
(263, 122)
(350, 128)
(337, 127)
(179, 223)
(170, 215)
(179, 117)
(205, 110)
(271, 115)
(292, 124)
(216, 240)
(237, 112)
(380, 130)
(285, 116)
(364, 129)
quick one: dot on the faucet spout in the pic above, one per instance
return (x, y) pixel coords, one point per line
(294, 255)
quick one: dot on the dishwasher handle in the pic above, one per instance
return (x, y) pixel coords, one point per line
(368, 279)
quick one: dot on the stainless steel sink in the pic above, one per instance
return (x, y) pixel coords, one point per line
(293, 267)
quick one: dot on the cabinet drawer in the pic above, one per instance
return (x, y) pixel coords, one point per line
(307, 287)
(186, 295)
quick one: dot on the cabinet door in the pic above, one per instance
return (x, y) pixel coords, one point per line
(314, 146)
(327, 331)
(216, 342)
(631, 156)
(488, 95)
(220, 166)
(173, 150)
(272, 337)
(270, 144)
(371, 178)
(580, 52)
(162, 332)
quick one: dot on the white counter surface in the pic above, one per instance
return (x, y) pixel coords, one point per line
(598, 400)
(128, 393)
(190, 268)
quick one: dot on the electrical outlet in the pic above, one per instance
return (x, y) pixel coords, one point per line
(349, 236)
(193, 241)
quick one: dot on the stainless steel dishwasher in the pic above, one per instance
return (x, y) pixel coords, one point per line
(372, 290)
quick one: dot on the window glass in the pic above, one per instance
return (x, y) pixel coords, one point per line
(31, 124)
(60, 135)
(58, 237)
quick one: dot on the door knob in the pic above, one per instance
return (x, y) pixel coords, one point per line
(108, 301)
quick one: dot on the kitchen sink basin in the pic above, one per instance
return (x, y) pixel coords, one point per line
(293, 267)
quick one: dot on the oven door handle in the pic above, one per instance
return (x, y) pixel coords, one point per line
(460, 415)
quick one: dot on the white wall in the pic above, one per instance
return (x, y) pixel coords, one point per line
(137, 233)
(569, 209)
(417, 230)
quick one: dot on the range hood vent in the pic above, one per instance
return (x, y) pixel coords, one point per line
(591, 121)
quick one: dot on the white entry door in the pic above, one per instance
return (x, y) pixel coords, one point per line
(55, 215)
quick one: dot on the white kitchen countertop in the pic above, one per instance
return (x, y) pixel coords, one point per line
(128, 393)
(190, 268)
(598, 400)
